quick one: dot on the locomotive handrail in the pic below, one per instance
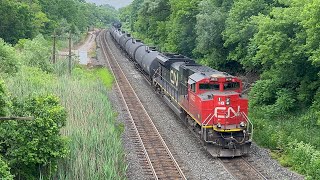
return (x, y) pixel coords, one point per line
(250, 124)
(207, 119)
(156, 72)
(202, 125)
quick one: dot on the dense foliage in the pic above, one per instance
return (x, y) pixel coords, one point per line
(9, 60)
(5, 170)
(274, 39)
(23, 19)
(95, 146)
(32, 148)
(79, 140)
(60, 143)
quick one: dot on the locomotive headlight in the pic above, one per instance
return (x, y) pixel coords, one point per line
(228, 101)
(242, 124)
(218, 125)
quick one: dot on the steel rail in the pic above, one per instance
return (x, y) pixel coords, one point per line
(164, 168)
(240, 169)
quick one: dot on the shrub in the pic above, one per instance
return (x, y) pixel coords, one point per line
(263, 93)
(5, 171)
(304, 158)
(9, 61)
(33, 148)
(36, 53)
(3, 99)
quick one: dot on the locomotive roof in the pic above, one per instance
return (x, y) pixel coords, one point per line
(202, 72)
(166, 59)
(176, 65)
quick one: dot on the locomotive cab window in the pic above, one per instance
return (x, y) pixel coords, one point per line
(209, 86)
(231, 85)
(193, 87)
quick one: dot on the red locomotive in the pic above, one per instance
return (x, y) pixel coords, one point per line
(207, 100)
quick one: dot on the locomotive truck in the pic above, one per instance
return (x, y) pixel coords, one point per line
(207, 100)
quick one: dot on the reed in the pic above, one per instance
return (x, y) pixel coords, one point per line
(96, 150)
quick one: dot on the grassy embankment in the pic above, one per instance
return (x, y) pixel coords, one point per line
(293, 139)
(95, 145)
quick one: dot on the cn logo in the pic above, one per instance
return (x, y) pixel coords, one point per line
(174, 78)
(230, 111)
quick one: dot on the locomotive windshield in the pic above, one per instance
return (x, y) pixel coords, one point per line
(209, 86)
(231, 85)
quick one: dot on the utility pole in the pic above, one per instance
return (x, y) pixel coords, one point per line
(54, 48)
(70, 55)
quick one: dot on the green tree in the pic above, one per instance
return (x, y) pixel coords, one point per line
(150, 17)
(8, 58)
(180, 27)
(17, 21)
(279, 47)
(33, 148)
(209, 27)
(135, 6)
(3, 99)
(5, 170)
(240, 28)
(36, 53)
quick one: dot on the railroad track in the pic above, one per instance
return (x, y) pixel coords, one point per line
(240, 168)
(153, 153)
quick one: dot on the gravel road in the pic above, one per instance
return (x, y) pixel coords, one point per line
(194, 160)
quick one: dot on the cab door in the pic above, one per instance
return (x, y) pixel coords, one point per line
(192, 104)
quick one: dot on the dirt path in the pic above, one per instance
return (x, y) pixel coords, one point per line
(83, 52)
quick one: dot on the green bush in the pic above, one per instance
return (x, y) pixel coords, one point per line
(37, 53)
(33, 148)
(5, 171)
(263, 93)
(304, 158)
(9, 61)
(3, 99)
(315, 108)
(95, 144)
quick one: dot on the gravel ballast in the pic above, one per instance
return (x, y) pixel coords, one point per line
(194, 160)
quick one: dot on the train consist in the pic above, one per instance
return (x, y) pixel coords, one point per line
(207, 100)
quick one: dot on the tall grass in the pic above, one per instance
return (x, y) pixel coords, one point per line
(95, 145)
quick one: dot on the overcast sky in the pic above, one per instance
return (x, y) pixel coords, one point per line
(115, 3)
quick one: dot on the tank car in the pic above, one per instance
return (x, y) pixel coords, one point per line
(117, 24)
(124, 39)
(134, 46)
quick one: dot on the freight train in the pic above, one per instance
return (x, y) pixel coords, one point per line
(207, 100)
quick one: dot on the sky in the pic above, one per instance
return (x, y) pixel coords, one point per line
(115, 3)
